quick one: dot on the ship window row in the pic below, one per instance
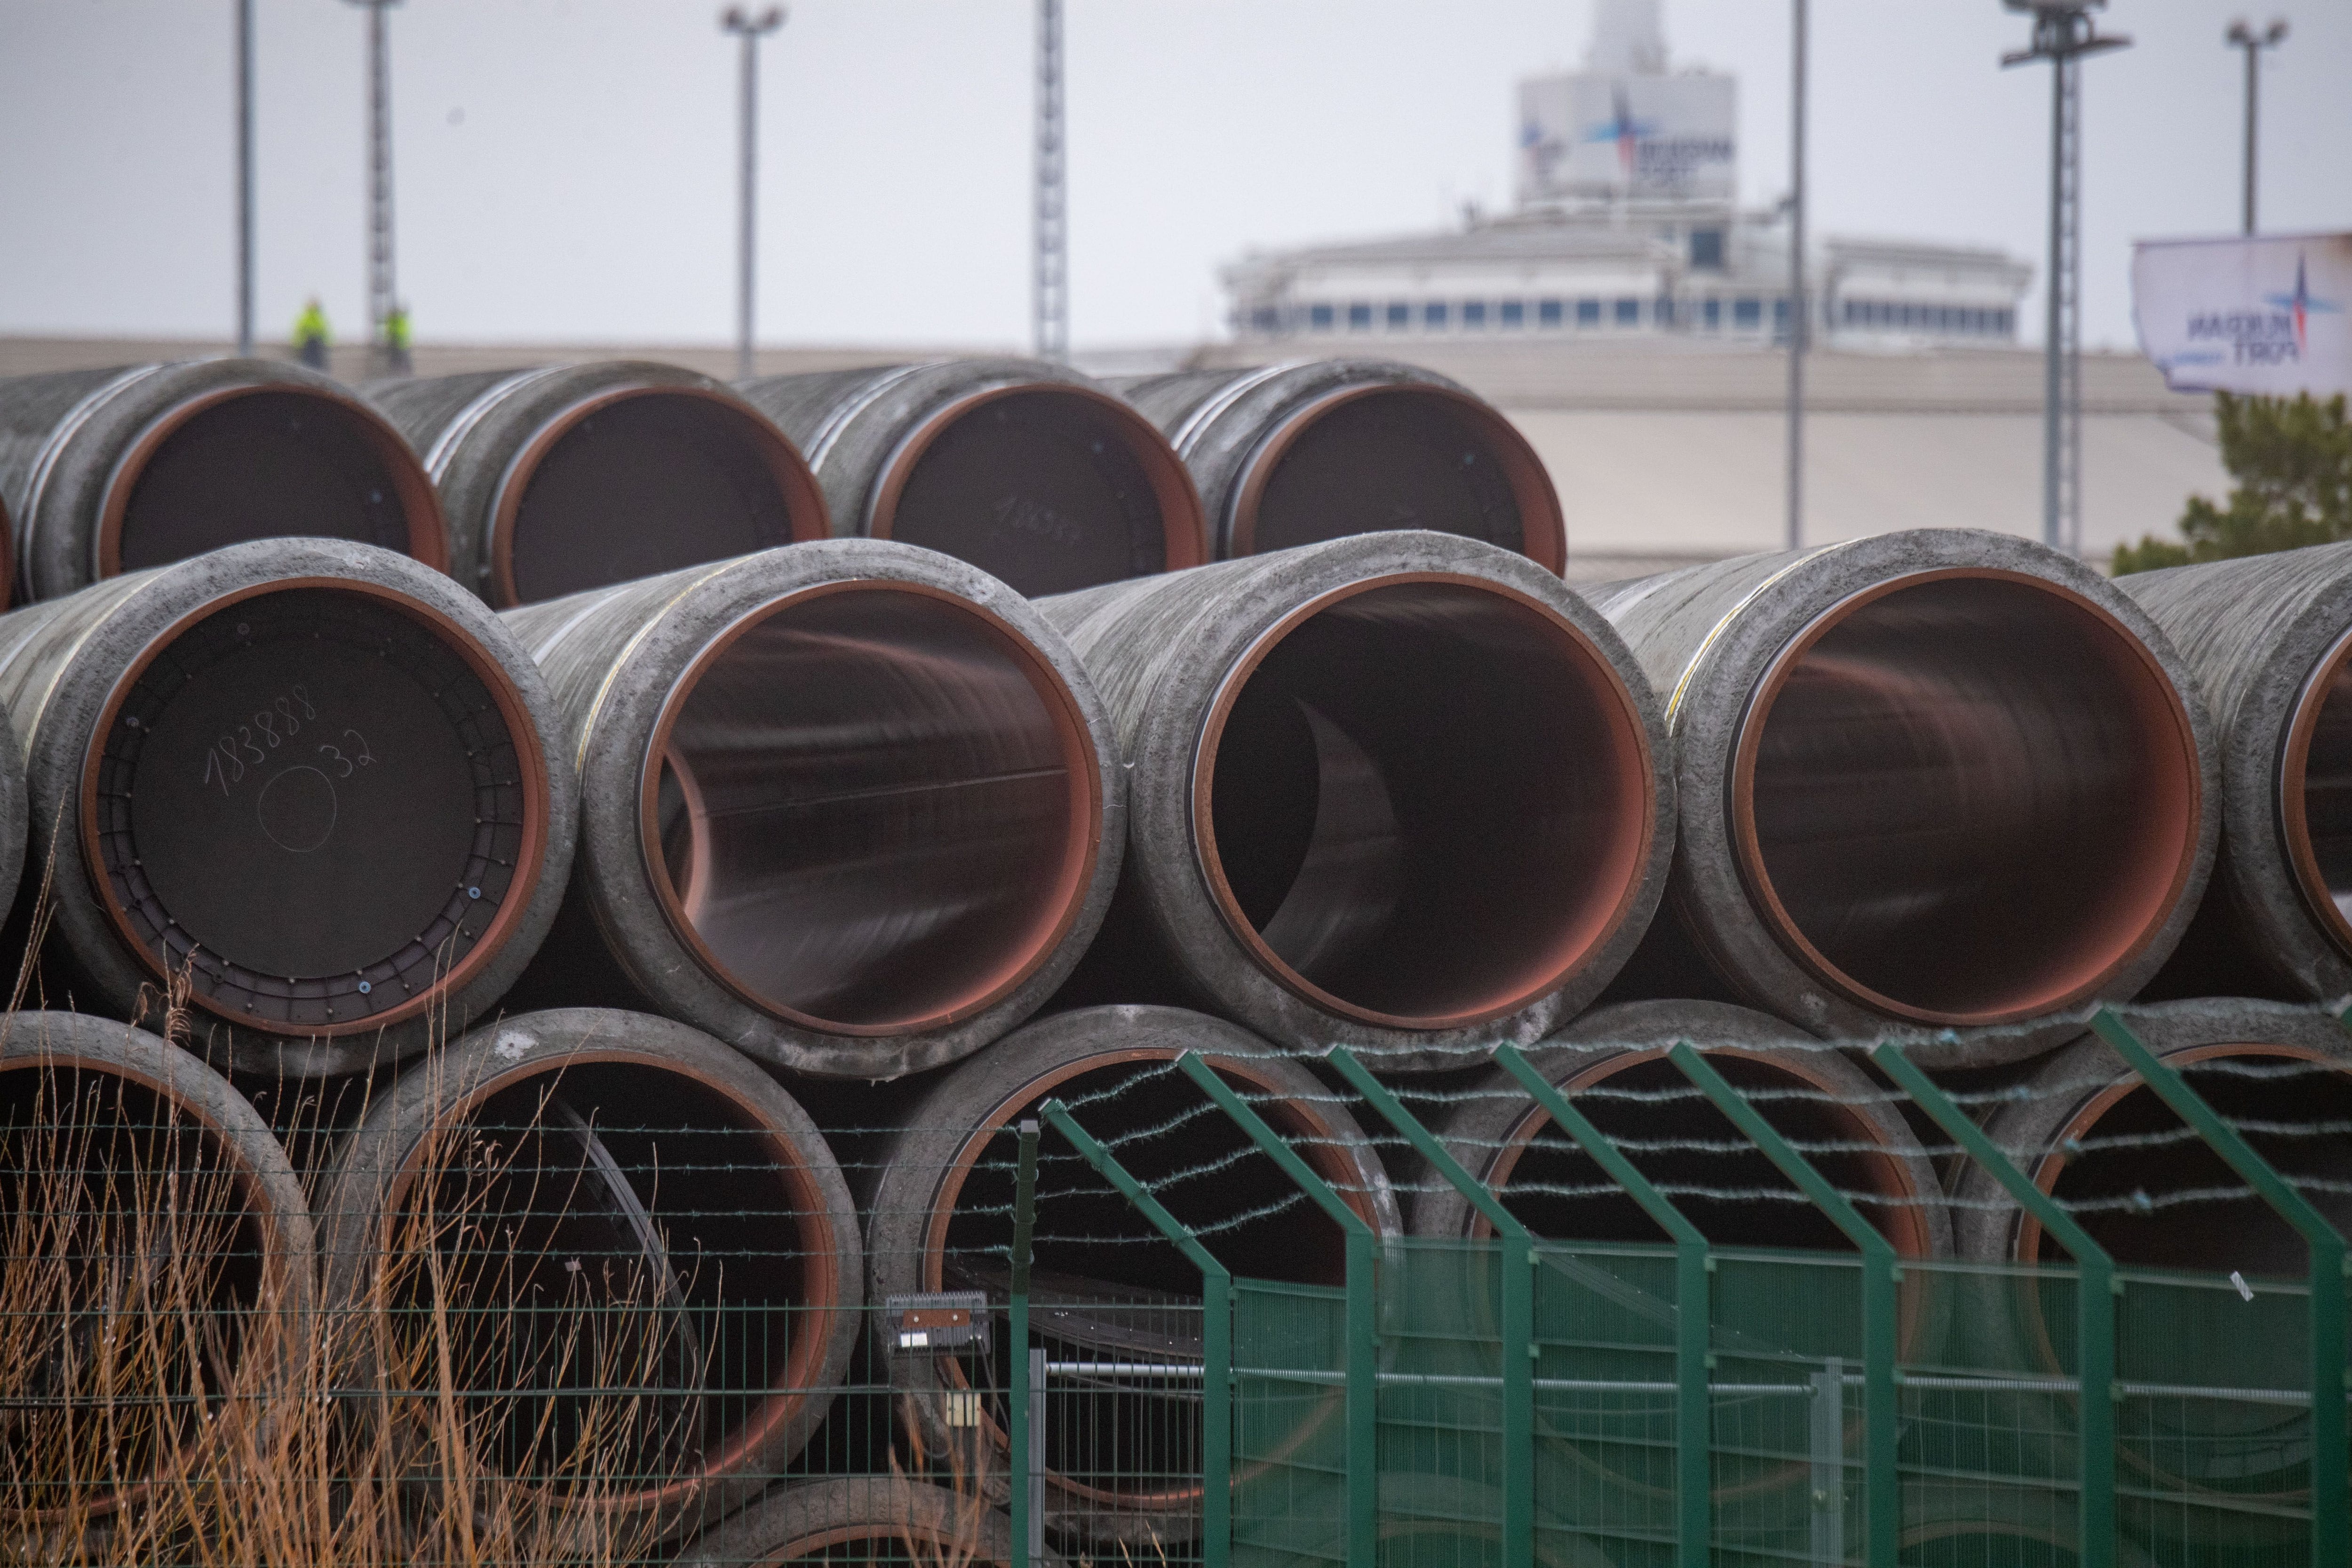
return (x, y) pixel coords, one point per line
(1890, 315)
(1738, 313)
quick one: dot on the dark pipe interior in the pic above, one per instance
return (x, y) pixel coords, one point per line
(1551, 1187)
(643, 485)
(870, 812)
(100, 1182)
(2328, 800)
(2216, 1237)
(1394, 459)
(1972, 797)
(560, 1292)
(1429, 801)
(1039, 486)
(286, 754)
(264, 464)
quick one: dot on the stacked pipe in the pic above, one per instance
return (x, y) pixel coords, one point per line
(843, 766)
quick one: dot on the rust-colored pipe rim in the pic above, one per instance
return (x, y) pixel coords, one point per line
(1183, 531)
(804, 501)
(1543, 528)
(2294, 814)
(420, 503)
(2122, 936)
(821, 1277)
(512, 712)
(1082, 836)
(1627, 851)
(1318, 1147)
(2027, 1246)
(254, 1201)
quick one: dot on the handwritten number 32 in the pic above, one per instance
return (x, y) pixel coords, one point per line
(361, 759)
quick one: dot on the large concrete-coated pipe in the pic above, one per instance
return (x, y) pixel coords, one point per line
(1809, 1091)
(2086, 1130)
(1944, 777)
(938, 1196)
(851, 806)
(1030, 471)
(314, 781)
(859, 1519)
(105, 471)
(2269, 640)
(567, 478)
(673, 1219)
(1612, 1065)
(147, 1211)
(1402, 789)
(1294, 454)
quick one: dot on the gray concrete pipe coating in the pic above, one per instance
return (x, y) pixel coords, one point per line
(1946, 778)
(851, 806)
(104, 471)
(567, 477)
(315, 782)
(1294, 454)
(694, 1183)
(1404, 790)
(1030, 471)
(938, 1194)
(1498, 1133)
(94, 1116)
(2083, 1125)
(2268, 639)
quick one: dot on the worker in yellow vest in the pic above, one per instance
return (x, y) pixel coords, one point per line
(310, 334)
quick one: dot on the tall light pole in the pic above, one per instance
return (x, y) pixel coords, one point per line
(1049, 278)
(1799, 304)
(2063, 33)
(750, 29)
(382, 295)
(245, 178)
(2253, 43)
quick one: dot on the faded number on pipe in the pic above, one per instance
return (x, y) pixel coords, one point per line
(274, 725)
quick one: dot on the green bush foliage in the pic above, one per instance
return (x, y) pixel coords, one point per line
(2291, 459)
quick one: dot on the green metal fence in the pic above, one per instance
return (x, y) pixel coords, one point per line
(1459, 1404)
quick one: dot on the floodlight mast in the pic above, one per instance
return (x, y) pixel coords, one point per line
(382, 291)
(2241, 36)
(1049, 216)
(2063, 33)
(750, 30)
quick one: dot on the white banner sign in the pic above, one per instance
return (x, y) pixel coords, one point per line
(1610, 136)
(2266, 316)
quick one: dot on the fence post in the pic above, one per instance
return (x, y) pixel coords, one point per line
(1216, 1336)
(1362, 1320)
(1880, 1273)
(1028, 1527)
(2331, 1508)
(1694, 1316)
(1519, 1307)
(2095, 1300)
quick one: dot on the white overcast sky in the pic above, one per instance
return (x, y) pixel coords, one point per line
(565, 168)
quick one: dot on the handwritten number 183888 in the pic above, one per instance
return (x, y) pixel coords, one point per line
(275, 724)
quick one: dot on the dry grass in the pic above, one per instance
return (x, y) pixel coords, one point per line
(162, 1400)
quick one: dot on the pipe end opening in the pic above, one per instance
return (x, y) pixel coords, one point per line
(1966, 797)
(871, 809)
(642, 481)
(1423, 801)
